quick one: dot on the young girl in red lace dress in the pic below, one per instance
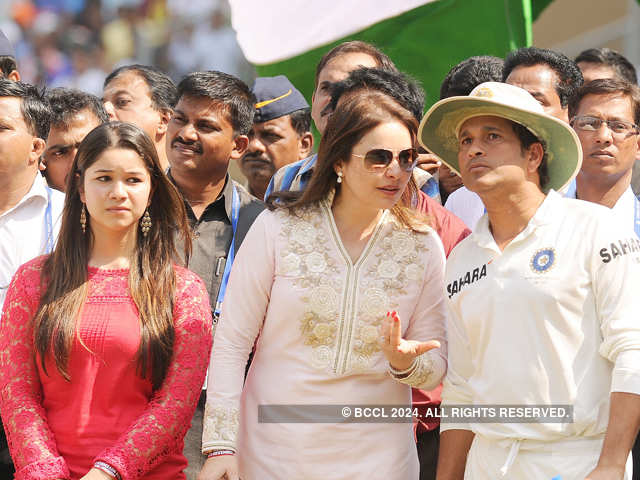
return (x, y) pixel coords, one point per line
(104, 344)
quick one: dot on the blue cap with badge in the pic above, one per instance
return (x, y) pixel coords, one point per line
(276, 97)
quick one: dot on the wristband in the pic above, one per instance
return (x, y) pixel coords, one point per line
(219, 453)
(108, 469)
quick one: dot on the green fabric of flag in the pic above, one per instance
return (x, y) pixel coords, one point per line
(428, 40)
(537, 6)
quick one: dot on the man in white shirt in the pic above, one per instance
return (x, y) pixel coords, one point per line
(29, 210)
(605, 115)
(540, 309)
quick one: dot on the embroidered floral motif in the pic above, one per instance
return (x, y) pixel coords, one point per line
(420, 376)
(306, 258)
(324, 300)
(413, 272)
(303, 234)
(220, 425)
(339, 316)
(321, 357)
(375, 301)
(398, 264)
(398, 261)
(315, 262)
(402, 244)
(369, 334)
(317, 332)
(388, 269)
(291, 264)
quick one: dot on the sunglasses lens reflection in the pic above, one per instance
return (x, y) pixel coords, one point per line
(407, 158)
(381, 158)
(378, 158)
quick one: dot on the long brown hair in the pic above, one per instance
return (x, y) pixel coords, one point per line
(354, 117)
(151, 273)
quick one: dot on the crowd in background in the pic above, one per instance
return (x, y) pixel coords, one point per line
(76, 43)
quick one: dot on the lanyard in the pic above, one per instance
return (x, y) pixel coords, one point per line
(235, 213)
(48, 223)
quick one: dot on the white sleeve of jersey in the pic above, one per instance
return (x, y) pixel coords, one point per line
(615, 278)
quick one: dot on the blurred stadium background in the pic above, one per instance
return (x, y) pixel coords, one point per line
(76, 43)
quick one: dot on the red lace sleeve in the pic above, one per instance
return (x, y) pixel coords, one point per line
(31, 442)
(161, 428)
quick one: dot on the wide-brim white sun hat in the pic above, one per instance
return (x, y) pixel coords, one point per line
(440, 126)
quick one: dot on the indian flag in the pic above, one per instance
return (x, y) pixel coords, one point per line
(423, 37)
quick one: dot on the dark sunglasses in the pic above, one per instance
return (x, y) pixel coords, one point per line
(380, 158)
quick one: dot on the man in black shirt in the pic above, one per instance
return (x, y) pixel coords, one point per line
(212, 118)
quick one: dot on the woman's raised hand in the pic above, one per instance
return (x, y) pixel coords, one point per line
(400, 352)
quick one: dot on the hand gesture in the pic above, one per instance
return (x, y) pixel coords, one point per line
(400, 352)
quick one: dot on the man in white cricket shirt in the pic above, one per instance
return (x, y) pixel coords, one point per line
(541, 309)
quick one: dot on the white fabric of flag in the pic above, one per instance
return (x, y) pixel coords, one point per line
(275, 30)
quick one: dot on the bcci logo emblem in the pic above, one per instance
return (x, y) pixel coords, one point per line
(484, 92)
(543, 260)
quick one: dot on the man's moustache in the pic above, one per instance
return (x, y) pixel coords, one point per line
(196, 147)
(259, 158)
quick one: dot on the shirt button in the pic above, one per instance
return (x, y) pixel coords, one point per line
(196, 234)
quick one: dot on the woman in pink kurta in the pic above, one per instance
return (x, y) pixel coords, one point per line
(105, 415)
(312, 291)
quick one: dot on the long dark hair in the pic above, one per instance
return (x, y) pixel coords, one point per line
(151, 273)
(353, 118)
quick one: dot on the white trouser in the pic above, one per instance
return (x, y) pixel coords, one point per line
(569, 459)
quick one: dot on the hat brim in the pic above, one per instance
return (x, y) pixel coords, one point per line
(439, 127)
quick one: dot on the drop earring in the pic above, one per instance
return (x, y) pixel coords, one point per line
(83, 219)
(339, 177)
(145, 223)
